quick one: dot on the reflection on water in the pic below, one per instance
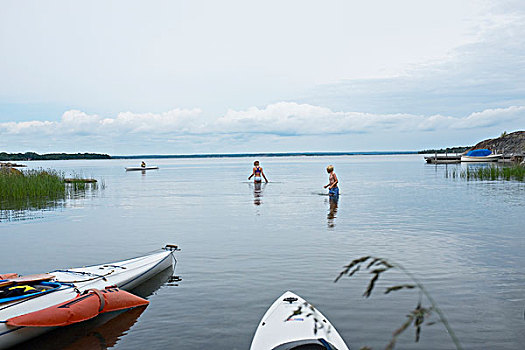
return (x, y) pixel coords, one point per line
(33, 208)
(258, 188)
(463, 239)
(474, 166)
(15, 210)
(334, 202)
(102, 332)
(154, 283)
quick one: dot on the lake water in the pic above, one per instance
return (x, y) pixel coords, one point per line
(243, 246)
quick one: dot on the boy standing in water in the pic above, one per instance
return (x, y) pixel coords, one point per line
(333, 190)
(257, 172)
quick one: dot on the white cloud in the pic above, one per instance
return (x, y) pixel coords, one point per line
(304, 119)
(175, 121)
(283, 118)
(492, 117)
(75, 122)
(29, 127)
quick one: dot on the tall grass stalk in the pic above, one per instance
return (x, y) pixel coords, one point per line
(377, 267)
(490, 173)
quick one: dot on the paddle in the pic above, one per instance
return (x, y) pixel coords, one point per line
(13, 278)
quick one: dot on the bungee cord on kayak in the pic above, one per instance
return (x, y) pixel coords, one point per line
(55, 299)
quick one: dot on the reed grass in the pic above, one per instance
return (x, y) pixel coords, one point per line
(40, 186)
(31, 184)
(489, 173)
(416, 317)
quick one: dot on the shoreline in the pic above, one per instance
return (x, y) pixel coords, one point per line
(263, 154)
(95, 156)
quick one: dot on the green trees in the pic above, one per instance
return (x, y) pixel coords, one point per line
(50, 156)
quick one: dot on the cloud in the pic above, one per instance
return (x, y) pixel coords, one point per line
(487, 73)
(181, 121)
(75, 122)
(290, 118)
(283, 119)
(29, 127)
(493, 117)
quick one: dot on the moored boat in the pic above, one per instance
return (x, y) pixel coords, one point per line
(90, 284)
(480, 155)
(290, 323)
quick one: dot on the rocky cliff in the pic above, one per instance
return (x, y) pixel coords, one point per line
(513, 143)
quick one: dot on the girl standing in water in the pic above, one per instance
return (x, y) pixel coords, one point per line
(257, 173)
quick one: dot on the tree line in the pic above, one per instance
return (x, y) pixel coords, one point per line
(50, 156)
(459, 149)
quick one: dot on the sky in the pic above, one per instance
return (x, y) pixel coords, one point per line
(183, 77)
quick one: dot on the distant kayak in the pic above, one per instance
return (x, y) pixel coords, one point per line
(280, 329)
(136, 168)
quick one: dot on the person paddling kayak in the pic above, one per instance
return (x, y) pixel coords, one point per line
(143, 165)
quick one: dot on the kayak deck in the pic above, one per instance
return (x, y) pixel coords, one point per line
(126, 274)
(283, 327)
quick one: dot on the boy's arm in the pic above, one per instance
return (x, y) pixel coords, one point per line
(328, 183)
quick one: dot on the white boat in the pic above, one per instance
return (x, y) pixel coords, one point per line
(126, 275)
(480, 155)
(490, 158)
(283, 328)
(137, 168)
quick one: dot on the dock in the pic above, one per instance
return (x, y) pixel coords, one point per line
(70, 181)
(456, 158)
(12, 165)
(443, 159)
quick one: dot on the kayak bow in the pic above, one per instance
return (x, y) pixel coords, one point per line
(293, 323)
(33, 315)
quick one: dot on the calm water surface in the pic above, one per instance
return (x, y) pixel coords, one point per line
(243, 246)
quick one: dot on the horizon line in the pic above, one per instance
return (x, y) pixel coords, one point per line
(261, 154)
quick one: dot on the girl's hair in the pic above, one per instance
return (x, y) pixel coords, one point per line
(330, 168)
(256, 162)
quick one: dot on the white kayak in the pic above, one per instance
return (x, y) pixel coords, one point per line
(136, 168)
(280, 329)
(126, 275)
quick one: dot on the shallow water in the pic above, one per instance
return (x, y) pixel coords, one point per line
(244, 245)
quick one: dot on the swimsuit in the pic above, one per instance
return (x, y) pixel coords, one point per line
(257, 173)
(334, 192)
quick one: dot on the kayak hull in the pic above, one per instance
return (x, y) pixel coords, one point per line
(141, 168)
(126, 275)
(281, 329)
